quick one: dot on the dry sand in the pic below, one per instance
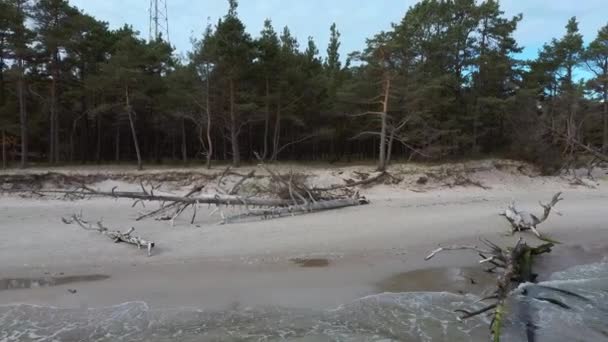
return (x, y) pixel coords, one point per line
(357, 251)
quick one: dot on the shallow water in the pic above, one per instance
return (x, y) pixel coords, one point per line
(28, 283)
(413, 316)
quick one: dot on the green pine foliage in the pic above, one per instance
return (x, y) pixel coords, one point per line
(444, 82)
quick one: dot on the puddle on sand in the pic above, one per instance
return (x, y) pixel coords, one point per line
(450, 279)
(311, 263)
(475, 280)
(28, 283)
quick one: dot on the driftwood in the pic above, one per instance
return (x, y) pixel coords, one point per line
(115, 236)
(299, 209)
(379, 177)
(515, 265)
(523, 220)
(301, 200)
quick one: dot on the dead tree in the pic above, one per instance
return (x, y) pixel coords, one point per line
(129, 110)
(522, 220)
(514, 266)
(115, 236)
(290, 197)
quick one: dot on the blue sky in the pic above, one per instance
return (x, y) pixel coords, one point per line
(356, 19)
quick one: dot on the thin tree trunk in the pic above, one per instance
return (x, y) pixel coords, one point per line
(98, 127)
(209, 141)
(266, 120)
(234, 136)
(133, 132)
(184, 142)
(117, 151)
(52, 125)
(605, 115)
(382, 156)
(389, 152)
(3, 149)
(54, 134)
(72, 147)
(23, 120)
(277, 131)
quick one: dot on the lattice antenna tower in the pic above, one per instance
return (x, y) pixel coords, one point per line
(159, 20)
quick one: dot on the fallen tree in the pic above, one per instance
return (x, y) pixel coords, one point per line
(299, 209)
(115, 235)
(285, 195)
(522, 220)
(514, 267)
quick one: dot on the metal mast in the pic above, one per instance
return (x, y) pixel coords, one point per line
(159, 20)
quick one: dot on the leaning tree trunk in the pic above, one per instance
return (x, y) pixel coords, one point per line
(234, 136)
(133, 132)
(383, 157)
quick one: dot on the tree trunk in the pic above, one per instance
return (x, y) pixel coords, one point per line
(234, 136)
(209, 141)
(54, 146)
(266, 120)
(279, 211)
(117, 151)
(389, 152)
(382, 156)
(98, 127)
(23, 121)
(184, 142)
(3, 149)
(277, 131)
(52, 125)
(605, 116)
(133, 132)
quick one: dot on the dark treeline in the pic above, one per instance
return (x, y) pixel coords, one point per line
(444, 82)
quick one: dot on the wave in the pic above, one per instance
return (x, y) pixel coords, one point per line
(417, 316)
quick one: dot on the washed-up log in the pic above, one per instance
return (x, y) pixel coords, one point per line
(522, 220)
(299, 209)
(114, 235)
(217, 199)
(515, 268)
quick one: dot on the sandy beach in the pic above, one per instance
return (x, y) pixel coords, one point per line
(318, 260)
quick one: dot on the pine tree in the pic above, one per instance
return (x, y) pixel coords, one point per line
(596, 58)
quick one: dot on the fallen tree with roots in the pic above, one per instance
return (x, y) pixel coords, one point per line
(523, 220)
(514, 267)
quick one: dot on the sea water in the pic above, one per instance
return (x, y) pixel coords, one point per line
(414, 316)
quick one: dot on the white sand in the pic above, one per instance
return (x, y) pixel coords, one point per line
(208, 265)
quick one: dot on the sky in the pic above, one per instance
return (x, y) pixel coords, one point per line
(356, 19)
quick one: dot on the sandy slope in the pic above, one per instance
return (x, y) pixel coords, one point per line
(208, 265)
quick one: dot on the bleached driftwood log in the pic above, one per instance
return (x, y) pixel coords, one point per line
(115, 235)
(523, 220)
(298, 209)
